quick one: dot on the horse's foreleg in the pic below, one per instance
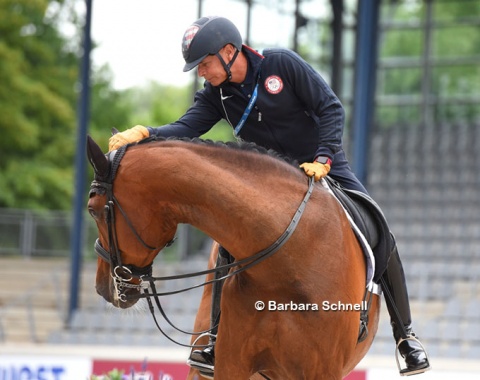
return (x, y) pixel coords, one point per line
(202, 320)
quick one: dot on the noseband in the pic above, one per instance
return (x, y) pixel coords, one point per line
(121, 274)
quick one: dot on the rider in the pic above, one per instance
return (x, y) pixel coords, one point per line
(280, 102)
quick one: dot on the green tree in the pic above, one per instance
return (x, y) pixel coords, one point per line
(109, 108)
(38, 75)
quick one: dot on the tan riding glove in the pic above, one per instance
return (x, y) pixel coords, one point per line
(318, 169)
(137, 133)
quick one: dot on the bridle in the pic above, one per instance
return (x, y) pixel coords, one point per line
(122, 275)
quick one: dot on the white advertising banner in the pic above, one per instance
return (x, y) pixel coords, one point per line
(38, 367)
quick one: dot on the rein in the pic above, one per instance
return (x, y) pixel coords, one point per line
(123, 274)
(243, 264)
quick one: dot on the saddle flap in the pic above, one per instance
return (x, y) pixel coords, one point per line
(370, 220)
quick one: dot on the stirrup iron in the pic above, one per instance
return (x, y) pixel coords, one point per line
(403, 371)
(202, 366)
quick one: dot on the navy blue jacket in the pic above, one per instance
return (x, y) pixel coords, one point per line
(303, 120)
(296, 113)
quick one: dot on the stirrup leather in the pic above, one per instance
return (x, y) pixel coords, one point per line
(404, 371)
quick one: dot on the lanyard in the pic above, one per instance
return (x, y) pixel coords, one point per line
(247, 111)
(250, 105)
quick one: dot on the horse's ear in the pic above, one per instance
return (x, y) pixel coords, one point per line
(114, 131)
(96, 158)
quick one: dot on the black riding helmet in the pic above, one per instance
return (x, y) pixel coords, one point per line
(207, 36)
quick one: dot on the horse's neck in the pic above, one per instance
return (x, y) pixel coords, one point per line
(240, 216)
(243, 211)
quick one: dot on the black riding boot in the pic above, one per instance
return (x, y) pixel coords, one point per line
(396, 297)
(204, 360)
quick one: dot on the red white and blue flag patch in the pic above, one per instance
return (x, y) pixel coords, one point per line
(188, 37)
(274, 84)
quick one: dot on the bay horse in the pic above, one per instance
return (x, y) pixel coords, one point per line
(243, 198)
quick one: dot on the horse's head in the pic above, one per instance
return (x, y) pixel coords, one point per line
(128, 240)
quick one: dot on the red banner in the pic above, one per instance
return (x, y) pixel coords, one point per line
(137, 370)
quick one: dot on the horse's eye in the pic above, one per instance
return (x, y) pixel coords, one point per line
(92, 213)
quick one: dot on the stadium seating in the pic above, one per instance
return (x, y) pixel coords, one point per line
(427, 183)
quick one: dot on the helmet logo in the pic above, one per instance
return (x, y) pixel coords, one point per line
(274, 84)
(188, 37)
